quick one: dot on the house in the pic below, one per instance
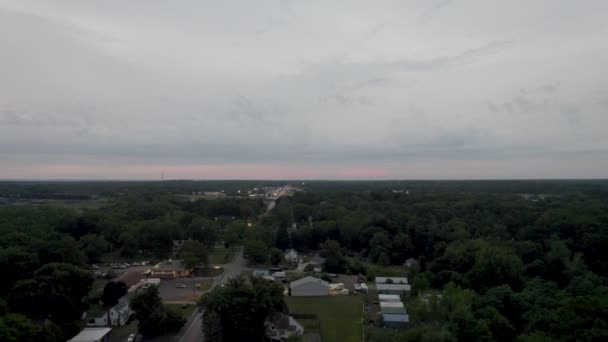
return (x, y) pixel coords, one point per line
(309, 286)
(281, 327)
(291, 256)
(92, 335)
(97, 318)
(121, 312)
(169, 270)
(119, 315)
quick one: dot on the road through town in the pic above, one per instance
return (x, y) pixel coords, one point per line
(193, 332)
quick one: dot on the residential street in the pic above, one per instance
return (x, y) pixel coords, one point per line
(192, 331)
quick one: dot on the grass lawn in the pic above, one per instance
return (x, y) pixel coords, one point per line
(221, 255)
(339, 317)
(381, 270)
(125, 330)
(185, 312)
(98, 285)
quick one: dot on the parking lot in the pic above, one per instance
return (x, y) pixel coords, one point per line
(169, 291)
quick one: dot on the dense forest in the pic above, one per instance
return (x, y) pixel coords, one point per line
(504, 261)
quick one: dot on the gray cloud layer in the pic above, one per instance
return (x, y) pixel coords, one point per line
(379, 85)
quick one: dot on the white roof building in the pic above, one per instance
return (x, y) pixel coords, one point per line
(393, 288)
(309, 286)
(391, 305)
(391, 280)
(389, 298)
(92, 335)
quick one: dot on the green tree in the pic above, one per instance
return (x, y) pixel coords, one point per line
(112, 292)
(282, 241)
(237, 311)
(380, 246)
(194, 253)
(334, 259)
(276, 256)
(256, 251)
(94, 246)
(155, 318)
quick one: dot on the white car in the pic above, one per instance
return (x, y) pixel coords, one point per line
(181, 286)
(131, 338)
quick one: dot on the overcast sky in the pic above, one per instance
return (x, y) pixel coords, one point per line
(304, 89)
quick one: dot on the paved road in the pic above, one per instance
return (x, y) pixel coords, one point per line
(193, 331)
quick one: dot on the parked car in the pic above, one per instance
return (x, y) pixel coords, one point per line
(181, 286)
(131, 338)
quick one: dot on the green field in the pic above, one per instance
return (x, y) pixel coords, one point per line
(184, 312)
(221, 255)
(340, 317)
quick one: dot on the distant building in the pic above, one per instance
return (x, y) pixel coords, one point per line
(309, 286)
(391, 280)
(291, 256)
(119, 315)
(389, 298)
(395, 320)
(169, 270)
(393, 288)
(92, 335)
(392, 285)
(281, 327)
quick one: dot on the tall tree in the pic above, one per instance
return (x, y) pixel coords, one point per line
(154, 318)
(237, 311)
(112, 292)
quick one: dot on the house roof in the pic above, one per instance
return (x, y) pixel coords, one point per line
(91, 334)
(395, 280)
(393, 287)
(389, 298)
(122, 303)
(281, 321)
(391, 304)
(308, 279)
(394, 311)
(398, 318)
(317, 259)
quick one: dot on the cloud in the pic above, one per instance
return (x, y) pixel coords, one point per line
(313, 86)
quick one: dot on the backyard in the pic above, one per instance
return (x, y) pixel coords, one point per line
(339, 317)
